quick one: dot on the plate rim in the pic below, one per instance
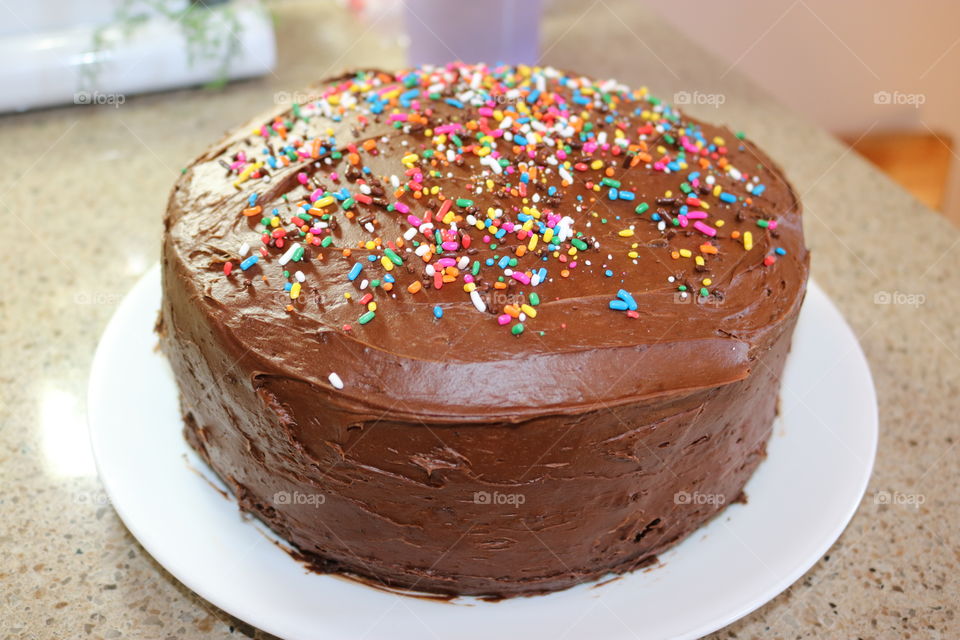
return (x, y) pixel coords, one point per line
(98, 372)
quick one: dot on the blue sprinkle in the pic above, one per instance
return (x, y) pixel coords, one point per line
(618, 305)
(612, 194)
(759, 189)
(533, 97)
(288, 286)
(608, 273)
(519, 139)
(249, 262)
(728, 197)
(372, 258)
(453, 102)
(504, 262)
(780, 251)
(437, 312)
(354, 272)
(627, 299)
(252, 200)
(627, 195)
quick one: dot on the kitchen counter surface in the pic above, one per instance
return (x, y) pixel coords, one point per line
(82, 192)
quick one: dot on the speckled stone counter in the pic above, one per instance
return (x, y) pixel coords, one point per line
(82, 191)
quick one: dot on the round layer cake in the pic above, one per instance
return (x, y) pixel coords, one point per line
(481, 330)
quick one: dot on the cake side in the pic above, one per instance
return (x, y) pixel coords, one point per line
(596, 326)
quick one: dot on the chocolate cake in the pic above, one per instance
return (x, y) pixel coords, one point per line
(481, 330)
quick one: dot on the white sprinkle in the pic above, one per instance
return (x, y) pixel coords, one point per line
(478, 301)
(565, 175)
(286, 257)
(335, 381)
(299, 276)
(244, 249)
(410, 233)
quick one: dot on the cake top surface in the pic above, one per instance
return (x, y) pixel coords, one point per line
(431, 233)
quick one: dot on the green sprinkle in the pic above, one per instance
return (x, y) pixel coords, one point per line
(394, 258)
(642, 208)
(763, 223)
(375, 283)
(349, 202)
(610, 182)
(517, 329)
(534, 299)
(464, 202)
(685, 187)
(579, 244)
(327, 241)
(297, 254)
(682, 287)
(704, 292)
(367, 317)
(475, 269)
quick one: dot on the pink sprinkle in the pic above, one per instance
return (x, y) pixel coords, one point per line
(772, 225)
(302, 178)
(402, 208)
(398, 117)
(704, 228)
(316, 195)
(412, 219)
(683, 220)
(450, 246)
(503, 319)
(696, 215)
(448, 128)
(447, 262)
(486, 111)
(522, 277)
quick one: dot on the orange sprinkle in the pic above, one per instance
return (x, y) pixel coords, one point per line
(415, 286)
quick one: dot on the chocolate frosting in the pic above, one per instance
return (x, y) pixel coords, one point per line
(598, 417)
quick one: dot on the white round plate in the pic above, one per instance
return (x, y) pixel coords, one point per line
(800, 500)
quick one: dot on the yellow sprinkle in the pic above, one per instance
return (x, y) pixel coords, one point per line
(747, 240)
(548, 235)
(699, 261)
(372, 306)
(718, 223)
(530, 311)
(685, 253)
(347, 295)
(625, 233)
(470, 286)
(717, 190)
(633, 255)
(325, 201)
(596, 164)
(410, 158)
(295, 291)
(707, 282)
(533, 242)
(385, 261)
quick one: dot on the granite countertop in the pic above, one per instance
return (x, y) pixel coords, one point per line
(82, 191)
